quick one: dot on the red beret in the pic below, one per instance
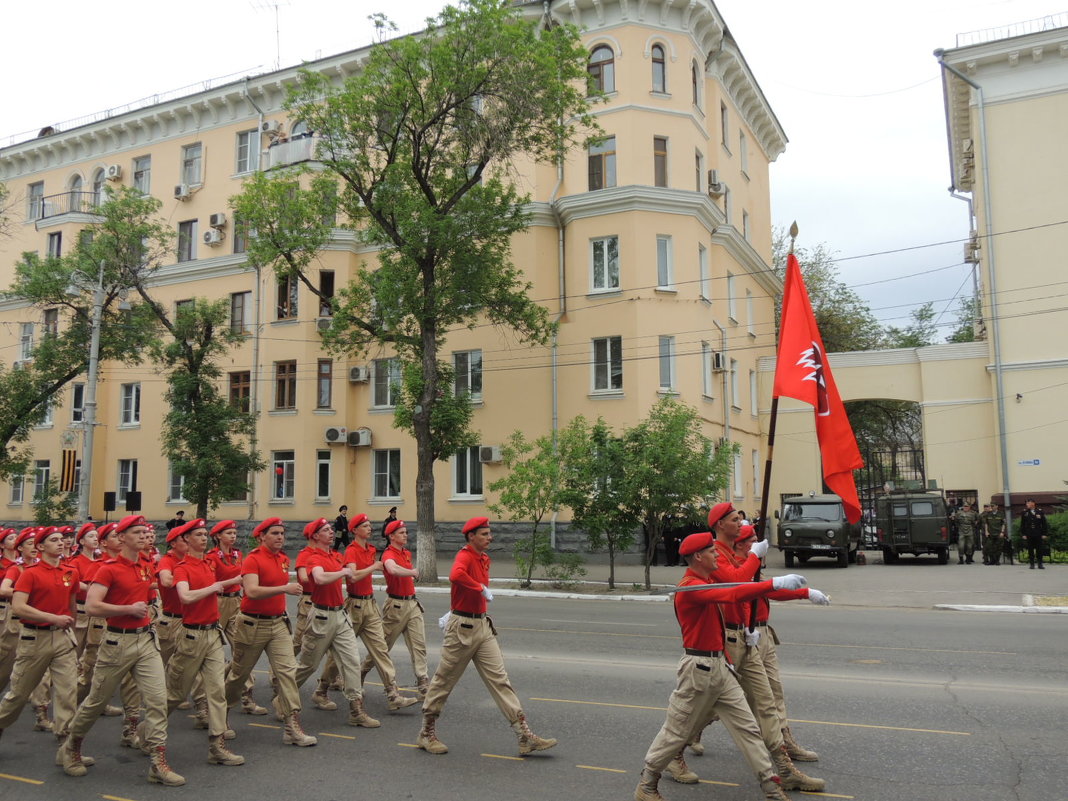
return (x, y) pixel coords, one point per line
(221, 526)
(266, 524)
(314, 526)
(130, 520)
(747, 531)
(7, 532)
(474, 524)
(85, 529)
(186, 528)
(718, 512)
(358, 520)
(24, 535)
(393, 526)
(43, 532)
(697, 542)
(66, 529)
(105, 529)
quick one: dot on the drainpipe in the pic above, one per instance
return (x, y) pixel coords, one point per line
(254, 388)
(995, 324)
(562, 288)
(726, 398)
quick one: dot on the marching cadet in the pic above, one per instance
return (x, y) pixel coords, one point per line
(471, 637)
(169, 624)
(262, 625)
(403, 613)
(8, 554)
(120, 592)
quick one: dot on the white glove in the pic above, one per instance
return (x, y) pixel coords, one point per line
(760, 548)
(443, 620)
(791, 581)
(487, 594)
(752, 637)
(819, 598)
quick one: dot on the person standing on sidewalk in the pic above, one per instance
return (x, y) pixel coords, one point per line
(1035, 531)
(967, 522)
(471, 637)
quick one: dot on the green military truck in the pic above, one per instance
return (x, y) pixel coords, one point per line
(816, 525)
(912, 522)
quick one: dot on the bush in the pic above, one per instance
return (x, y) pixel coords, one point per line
(530, 553)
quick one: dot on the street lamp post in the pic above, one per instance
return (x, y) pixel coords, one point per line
(89, 416)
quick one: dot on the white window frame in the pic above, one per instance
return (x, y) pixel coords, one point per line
(705, 273)
(706, 370)
(324, 384)
(467, 373)
(666, 362)
(724, 124)
(130, 404)
(188, 231)
(732, 304)
(142, 174)
(467, 478)
(606, 352)
(660, 62)
(77, 404)
(247, 151)
(55, 244)
(387, 378)
(739, 482)
(18, 490)
(322, 475)
(386, 467)
(604, 282)
(127, 479)
(241, 312)
(35, 201)
(745, 225)
(26, 342)
(657, 154)
(758, 489)
(604, 151)
(665, 267)
(192, 167)
(754, 405)
(743, 153)
(175, 486)
(42, 473)
(749, 325)
(735, 400)
(284, 484)
(699, 167)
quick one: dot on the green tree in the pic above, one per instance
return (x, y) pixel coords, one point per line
(919, 333)
(419, 145)
(969, 321)
(53, 506)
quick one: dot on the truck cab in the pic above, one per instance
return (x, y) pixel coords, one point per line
(912, 522)
(816, 525)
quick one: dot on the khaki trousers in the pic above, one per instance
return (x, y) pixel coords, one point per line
(706, 687)
(751, 674)
(330, 631)
(136, 655)
(252, 637)
(168, 630)
(404, 618)
(41, 650)
(471, 640)
(769, 655)
(367, 624)
(229, 607)
(198, 656)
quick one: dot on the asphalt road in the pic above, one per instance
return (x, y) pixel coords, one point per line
(900, 703)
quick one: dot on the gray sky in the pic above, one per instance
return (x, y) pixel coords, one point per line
(856, 89)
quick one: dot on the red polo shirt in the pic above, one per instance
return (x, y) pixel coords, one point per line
(701, 629)
(470, 572)
(199, 573)
(86, 570)
(127, 583)
(227, 566)
(363, 558)
(172, 604)
(273, 570)
(332, 594)
(49, 588)
(398, 585)
(149, 560)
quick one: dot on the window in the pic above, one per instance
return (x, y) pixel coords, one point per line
(743, 153)
(77, 403)
(467, 368)
(35, 201)
(48, 420)
(187, 240)
(753, 399)
(608, 364)
(175, 485)
(727, 215)
(749, 313)
(50, 323)
(604, 263)
(705, 275)
(698, 169)
(192, 158)
(248, 151)
(695, 84)
(99, 182)
(324, 384)
(326, 293)
(142, 174)
(284, 472)
(387, 473)
(241, 312)
(183, 307)
(467, 473)
(18, 489)
(602, 70)
(735, 394)
(387, 381)
(130, 413)
(240, 235)
(659, 71)
(664, 271)
(732, 306)
(55, 244)
(667, 363)
(660, 161)
(706, 369)
(241, 390)
(285, 385)
(723, 120)
(287, 297)
(739, 484)
(602, 164)
(127, 479)
(322, 475)
(745, 225)
(758, 490)
(26, 342)
(42, 474)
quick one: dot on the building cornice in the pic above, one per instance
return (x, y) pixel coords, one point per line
(954, 351)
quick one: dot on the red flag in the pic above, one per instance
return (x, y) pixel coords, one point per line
(803, 372)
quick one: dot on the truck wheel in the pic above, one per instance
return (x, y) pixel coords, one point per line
(789, 556)
(843, 558)
(943, 556)
(889, 557)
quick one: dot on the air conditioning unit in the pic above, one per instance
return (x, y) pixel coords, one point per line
(489, 454)
(715, 186)
(217, 220)
(335, 435)
(323, 323)
(271, 127)
(359, 375)
(213, 237)
(719, 361)
(360, 438)
(181, 192)
(113, 172)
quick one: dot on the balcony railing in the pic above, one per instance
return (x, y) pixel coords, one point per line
(64, 203)
(291, 151)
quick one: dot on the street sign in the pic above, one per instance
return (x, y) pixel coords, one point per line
(1029, 462)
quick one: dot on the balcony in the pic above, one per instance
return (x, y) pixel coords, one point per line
(52, 206)
(282, 153)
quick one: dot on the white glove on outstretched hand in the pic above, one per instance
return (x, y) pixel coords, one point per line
(752, 637)
(487, 594)
(819, 598)
(760, 548)
(791, 581)
(443, 620)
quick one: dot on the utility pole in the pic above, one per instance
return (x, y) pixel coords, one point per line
(89, 417)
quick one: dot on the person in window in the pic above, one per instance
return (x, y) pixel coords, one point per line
(385, 523)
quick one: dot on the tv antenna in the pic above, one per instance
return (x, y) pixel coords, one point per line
(269, 5)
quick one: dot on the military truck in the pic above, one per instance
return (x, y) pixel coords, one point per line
(912, 522)
(816, 525)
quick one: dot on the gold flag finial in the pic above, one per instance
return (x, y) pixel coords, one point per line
(793, 235)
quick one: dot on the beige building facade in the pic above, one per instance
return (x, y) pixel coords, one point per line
(652, 249)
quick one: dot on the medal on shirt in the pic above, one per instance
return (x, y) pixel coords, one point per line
(68, 578)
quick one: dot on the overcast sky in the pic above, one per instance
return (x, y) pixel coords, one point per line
(855, 87)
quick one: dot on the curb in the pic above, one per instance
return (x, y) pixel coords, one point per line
(1027, 610)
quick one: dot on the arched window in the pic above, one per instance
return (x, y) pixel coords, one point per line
(99, 181)
(74, 198)
(602, 69)
(694, 84)
(659, 74)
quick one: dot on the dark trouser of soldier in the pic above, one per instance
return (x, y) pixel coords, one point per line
(1007, 551)
(992, 551)
(1034, 552)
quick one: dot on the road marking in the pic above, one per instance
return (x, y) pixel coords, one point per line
(337, 736)
(825, 795)
(601, 622)
(264, 726)
(501, 756)
(606, 770)
(20, 779)
(115, 798)
(598, 633)
(721, 784)
(890, 728)
(899, 648)
(407, 745)
(601, 703)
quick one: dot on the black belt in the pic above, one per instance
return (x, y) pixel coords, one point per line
(306, 594)
(40, 627)
(201, 626)
(740, 626)
(362, 597)
(138, 630)
(170, 614)
(461, 613)
(328, 608)
(230, 594)
(401, 597)
(80, 603)
(262, 617)
(695, 652)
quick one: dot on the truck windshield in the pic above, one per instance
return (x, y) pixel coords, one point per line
(812, 511)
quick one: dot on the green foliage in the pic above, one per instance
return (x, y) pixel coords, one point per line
(54, 507)
(5, 210)
(529, 554)
(565, 570)
(450, 414)
(919, 333)
(969, 321)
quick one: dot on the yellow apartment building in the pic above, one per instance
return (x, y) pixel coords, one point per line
(652, 249)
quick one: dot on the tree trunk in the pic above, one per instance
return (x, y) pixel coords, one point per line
(611, 565)
(427, 552)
